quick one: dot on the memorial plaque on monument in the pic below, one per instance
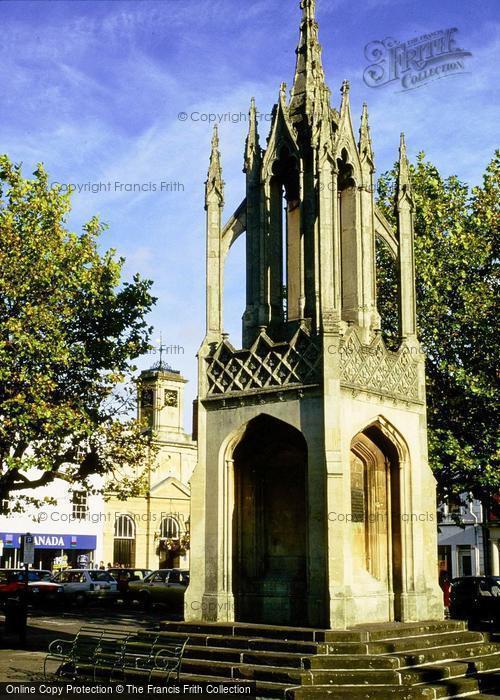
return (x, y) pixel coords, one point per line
(357, 505)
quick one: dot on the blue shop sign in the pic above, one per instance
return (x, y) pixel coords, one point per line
(12, 540)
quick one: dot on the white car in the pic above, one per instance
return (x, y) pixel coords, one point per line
(83, 585)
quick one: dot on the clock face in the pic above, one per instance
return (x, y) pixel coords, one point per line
(171, 398)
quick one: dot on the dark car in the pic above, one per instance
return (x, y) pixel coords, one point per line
(476, 598)
(164, 586)
(41, 590)
(125, 576)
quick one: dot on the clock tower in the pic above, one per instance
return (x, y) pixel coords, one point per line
(161, 400)
(151, 528)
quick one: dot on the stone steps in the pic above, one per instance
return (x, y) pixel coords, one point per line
(413, 629)
(429, 674)
(458, 651)
(449, 688)
(391, 646)
(368, 647)
(307, 634)
(428, 660)
(263, 659)
(264, 689)
(249, 643)
(277, 674)
(384, 692)
(415, 658)
(484, 682)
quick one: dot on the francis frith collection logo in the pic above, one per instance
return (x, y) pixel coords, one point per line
(414, 62)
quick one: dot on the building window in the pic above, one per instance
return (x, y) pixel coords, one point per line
(125, 527)
(464, 560)
(147, 398)
(124, 542)
(80, 506)
(454, 505)
(444, 559)
(169, 528)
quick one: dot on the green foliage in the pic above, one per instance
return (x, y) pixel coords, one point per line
(456, 259)
(69, 330)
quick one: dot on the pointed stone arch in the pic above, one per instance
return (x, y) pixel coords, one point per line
(268, 459)
(391, 433)
(282, 188)
(282, 132)
(349, 174)
(348, 222)
(379, 480)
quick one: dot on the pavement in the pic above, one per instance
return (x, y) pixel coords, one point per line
(24, 662)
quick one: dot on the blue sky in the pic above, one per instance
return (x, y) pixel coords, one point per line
(93, 89)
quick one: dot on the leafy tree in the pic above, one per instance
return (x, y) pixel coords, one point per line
(456, 259)
(69, 330)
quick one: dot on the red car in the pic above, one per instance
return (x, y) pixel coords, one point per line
(41, 591)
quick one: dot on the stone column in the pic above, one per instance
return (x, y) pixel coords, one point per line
(405, 206)
(214, 202)
(495, 557)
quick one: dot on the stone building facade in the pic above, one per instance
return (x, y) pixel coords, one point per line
(67, 527)
(461, 537)
(152, 531)
(312, 500)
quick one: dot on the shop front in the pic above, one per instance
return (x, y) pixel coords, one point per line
(50, 550)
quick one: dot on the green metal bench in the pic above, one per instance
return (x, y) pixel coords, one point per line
(144, 655)
(115, 655)
(78, 655)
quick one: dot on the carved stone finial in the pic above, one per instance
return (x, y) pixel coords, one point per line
(215, 138)
(308, 8)
(214, 182)
(404, 182)
(283, 93)
(365, 142)
(252, 146)
(402, 144)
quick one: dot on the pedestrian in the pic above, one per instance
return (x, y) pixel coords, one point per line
(445, 583)
(101, 565)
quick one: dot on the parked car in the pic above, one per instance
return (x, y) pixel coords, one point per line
(476, 598)
(41, 590)
(125, 576)
(83, 585)
(164, 586)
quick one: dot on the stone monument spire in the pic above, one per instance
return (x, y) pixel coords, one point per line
(312, 416)
(309, 75)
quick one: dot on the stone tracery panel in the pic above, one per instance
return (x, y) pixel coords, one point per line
(374, 368)
(266, 364)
